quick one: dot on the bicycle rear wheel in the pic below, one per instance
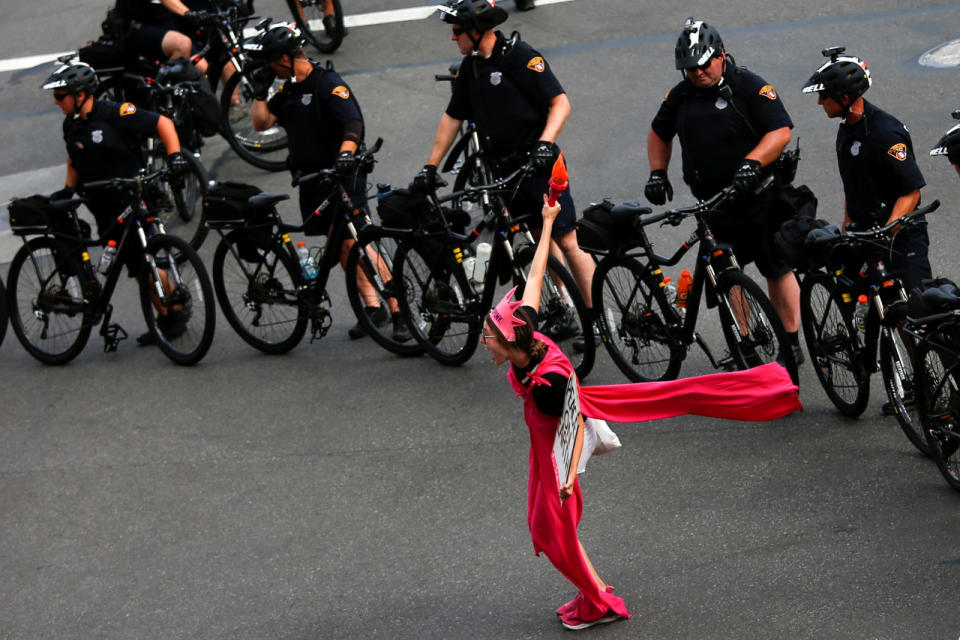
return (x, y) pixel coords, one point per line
(373, 257)
(635, 314)
(263, 149)
(46, 302)
(562, 308)
(896, 367)
(325, 32)
(435, 301)
(834, 349)
(258, 297)
(182, 320)
(938, 402)
(3, 312)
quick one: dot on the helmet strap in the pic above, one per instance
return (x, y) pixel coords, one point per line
(78, 105)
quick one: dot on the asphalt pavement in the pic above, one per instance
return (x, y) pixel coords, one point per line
(341, 492)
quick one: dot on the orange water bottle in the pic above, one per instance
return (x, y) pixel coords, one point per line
(683, 288)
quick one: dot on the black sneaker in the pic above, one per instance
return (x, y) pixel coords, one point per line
(400, 331)
(379, 317)
(330, 26)
(171, 326)
(557, 331)
(798, 357)
(525, 5)
(580, 343)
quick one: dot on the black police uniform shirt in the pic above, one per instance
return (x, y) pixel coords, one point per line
(314, 113)
(508, 95)
(714, 136)
(877, 165)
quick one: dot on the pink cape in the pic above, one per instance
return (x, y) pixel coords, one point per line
(762, 393)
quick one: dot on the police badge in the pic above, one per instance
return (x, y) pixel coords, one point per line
(496, 77)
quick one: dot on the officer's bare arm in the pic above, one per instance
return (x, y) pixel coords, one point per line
(175, 6)
(658, 152)
(168, 134)
(904, 205)
(446, 133)
(770, 146)
(556, 117)
(261, 117)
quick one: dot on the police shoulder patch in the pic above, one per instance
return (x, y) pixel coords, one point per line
(341, 92)
(127, 108)
(536, 64)
(767, 91)
(898, 151)
(666, 97)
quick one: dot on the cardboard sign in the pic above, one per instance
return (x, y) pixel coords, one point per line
(566, 437)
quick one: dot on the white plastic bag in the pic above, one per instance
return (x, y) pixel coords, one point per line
(598, 438)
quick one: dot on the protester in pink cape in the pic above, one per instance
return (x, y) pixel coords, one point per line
(539, 372)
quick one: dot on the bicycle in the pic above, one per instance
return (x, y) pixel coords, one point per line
(320, 21)
(445, 308)
(4, 315)
(842, 358)
(55, 296)
(262, 289)
(646, 335)
(933, 322)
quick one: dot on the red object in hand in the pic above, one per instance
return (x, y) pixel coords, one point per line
(559, 179)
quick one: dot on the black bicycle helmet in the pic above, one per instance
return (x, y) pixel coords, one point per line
(697, 44)
(74, 77)
(949, 143)
(277, 39)
(840, 76)
(481, 15)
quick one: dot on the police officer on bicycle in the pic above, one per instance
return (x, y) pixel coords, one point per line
(102, 139)
(152, 29)
(881, 179)
(325, 129)
(509, 90)
(732, 126)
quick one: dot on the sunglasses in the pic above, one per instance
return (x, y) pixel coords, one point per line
(60, 97)
(704, 66)
(457, 31)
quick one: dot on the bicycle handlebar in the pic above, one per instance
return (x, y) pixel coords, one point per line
(366, 156)
(122, 182)
(834, 236)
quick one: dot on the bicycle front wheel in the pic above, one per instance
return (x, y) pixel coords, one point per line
(751, 326)
(177, 299)
(563, 314)
(257, 291)
(370, 270)
(834, 349)
(46, 302)
(938, 402)
(263, 149)
(180, 208)
(636, 315)
(323, 30)
(896, 368)
(436, 303)
(3, 312)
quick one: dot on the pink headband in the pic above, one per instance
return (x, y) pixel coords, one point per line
(503, 319)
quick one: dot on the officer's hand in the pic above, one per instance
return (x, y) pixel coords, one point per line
(63, 194)
(346, 163)
(193, 18)
(427, 180)
(177, 164)
(262, 79)
(658, 189)
(747, 178)
(544, 155)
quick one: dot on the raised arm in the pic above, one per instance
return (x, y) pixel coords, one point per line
(531, 291)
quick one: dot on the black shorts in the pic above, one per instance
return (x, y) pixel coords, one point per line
(314, 196)
(909, 261)
(147, 40)
(749, 227)
(529, 201)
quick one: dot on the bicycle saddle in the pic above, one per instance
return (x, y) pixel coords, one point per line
(264, 201)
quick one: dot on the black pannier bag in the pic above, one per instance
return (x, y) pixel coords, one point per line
(605, 227)
(401, 209)
(225, 205)
(30, 215)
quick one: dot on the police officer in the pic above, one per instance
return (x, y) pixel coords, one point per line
(508, 89)
(152, 29)
(732, 125)
(102, 142)
(881, 179)
(949, 144)
(324, 130)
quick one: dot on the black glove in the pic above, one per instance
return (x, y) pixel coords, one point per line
(261, 80)
(747, 178)
(427, 180)
(544, 154)
(346, 163)
(63, 194)
(177, 164)
(658, 189)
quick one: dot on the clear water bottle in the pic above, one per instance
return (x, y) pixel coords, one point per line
(106, 258)
(860, 318)
(480, 264)
(670, 290)
(307, 266)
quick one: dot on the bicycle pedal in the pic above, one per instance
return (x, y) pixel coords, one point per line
(320, 323)
(112, 334)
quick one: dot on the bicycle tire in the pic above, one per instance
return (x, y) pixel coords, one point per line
(554, 309)
(635, 313)
(189, 293)
(264, 150)
(441, 320)
(907, 413)
(384, 286)
(4, 315)
(248, 292)
(832, 346)
(306, 12)
(938, 398)
(44, 290)
(182, 212)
